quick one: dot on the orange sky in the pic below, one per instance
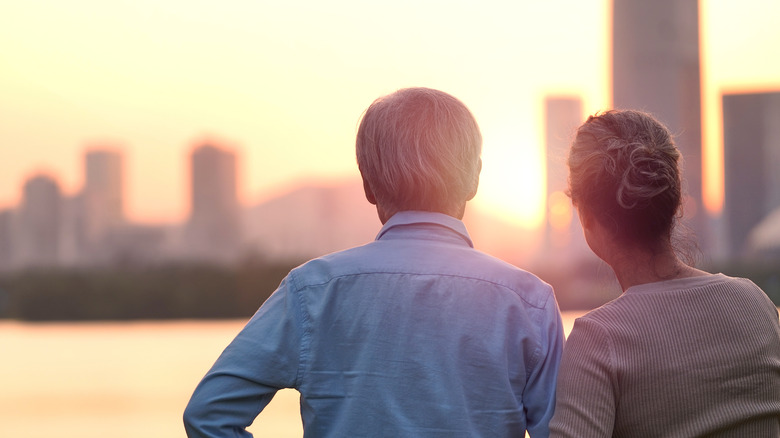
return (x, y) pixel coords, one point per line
(287, 81)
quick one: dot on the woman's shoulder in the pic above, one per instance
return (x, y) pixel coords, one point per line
(608, 316)
(645, 304)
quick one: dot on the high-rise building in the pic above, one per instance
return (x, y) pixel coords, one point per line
(655, 68)
(40, 225)
(751, 158)
(562, 117)
(6, 239)
(102, 197)
(75, 250)
(214, 229)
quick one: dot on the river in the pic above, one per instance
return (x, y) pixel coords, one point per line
(119, 379)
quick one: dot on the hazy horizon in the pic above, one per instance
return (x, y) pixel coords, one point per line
(286, 83)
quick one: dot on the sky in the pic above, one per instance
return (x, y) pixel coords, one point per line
(285, 83)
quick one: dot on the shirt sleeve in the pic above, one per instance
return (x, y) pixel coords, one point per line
(263, 358)
(539, 393)
(585, 401)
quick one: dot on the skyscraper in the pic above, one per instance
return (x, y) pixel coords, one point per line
(40, 227)
(562, 117)
(213, 230)
(6, 239)
(751, 158)
(102, 195)
(655, 68)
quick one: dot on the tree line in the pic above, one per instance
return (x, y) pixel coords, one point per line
(202, 291)
(126, 293)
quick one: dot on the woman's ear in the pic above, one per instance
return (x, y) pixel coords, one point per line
(592, 232)
(586, 220)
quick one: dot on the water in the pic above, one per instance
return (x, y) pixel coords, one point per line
(121, 380)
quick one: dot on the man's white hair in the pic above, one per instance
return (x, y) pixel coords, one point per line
(419, 149)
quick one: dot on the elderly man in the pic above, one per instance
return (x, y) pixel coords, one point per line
(416, 334)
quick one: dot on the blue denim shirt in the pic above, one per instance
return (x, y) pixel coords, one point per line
(416, 334)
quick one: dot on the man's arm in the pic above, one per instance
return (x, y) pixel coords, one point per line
(539, 394)
(263, 358)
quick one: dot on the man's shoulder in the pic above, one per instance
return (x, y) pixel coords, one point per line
(389, 258)
(340, 263)
(527, 285)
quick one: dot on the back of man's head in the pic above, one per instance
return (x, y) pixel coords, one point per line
(419, 149)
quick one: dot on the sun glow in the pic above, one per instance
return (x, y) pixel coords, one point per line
(512, 183)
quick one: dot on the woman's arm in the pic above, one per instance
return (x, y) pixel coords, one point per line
(586, 393)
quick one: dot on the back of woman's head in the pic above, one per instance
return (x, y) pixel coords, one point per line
(418, 149)
(624, 171)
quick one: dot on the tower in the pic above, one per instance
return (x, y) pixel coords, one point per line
(39, 232)
(6, 239)
(751, 149)
(213, 229)
(102, 195)
(562, 116)
(655, 68)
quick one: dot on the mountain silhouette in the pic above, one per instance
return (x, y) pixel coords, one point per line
(316, 219)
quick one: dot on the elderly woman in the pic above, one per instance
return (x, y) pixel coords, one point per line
(682, 352)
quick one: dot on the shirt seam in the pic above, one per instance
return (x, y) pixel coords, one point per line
(305, 334)
(492, 282)
(540, 334)
(680, 285)
(537, 353)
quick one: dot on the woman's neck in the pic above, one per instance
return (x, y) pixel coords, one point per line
(635, 266)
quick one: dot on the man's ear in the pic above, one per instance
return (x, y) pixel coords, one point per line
(476, 182)
(369, 193)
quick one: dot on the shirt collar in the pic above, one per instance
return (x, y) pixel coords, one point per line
(445, 223)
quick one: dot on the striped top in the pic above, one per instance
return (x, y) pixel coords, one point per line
(689, 357)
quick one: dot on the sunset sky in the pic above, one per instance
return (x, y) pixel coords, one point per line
(285, 83)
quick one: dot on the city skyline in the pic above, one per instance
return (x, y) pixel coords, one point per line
(289, 88)
(94, 228)
(87, 229)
